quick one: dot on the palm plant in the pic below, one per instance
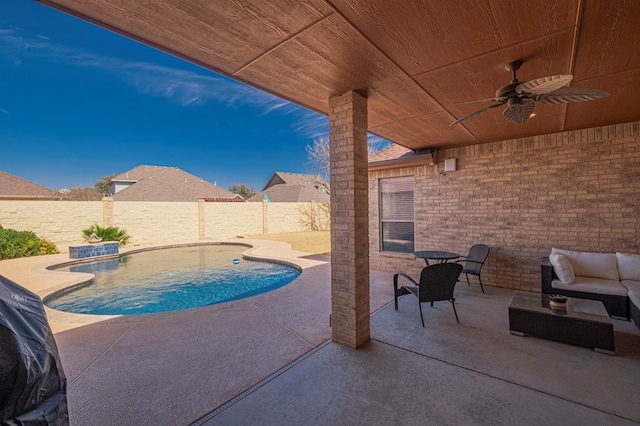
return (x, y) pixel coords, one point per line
(111, 233)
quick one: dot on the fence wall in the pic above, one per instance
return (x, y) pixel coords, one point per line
(59, 221)
(153, 222)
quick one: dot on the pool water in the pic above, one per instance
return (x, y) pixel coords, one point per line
(169, 280)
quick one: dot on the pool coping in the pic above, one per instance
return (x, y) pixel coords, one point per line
(33, 273)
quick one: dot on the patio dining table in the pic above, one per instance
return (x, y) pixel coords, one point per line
(437, 255)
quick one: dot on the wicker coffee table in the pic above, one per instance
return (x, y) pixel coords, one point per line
(584, 322)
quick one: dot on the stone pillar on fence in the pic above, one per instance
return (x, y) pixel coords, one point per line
(202, 230)
(350, 311)
(107, 212)
(265, 217)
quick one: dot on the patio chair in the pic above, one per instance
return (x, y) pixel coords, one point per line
(474, 260)
(437, 282)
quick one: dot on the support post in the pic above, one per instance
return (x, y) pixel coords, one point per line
(107, 212)
(350, 311)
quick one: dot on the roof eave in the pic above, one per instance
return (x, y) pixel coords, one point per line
(411, 161)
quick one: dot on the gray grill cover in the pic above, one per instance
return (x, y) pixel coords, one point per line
(33, 387)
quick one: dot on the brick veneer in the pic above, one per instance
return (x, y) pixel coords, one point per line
(577, 190)
(349, 220)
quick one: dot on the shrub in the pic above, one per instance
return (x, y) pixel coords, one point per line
(15, 244)
(111, 233)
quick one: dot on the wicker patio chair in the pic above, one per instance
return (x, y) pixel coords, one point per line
(474, 261)
(437, 282)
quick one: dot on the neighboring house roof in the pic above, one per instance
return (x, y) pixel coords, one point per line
(280, 178)
(391, 152)
(395, 156)
(294, 188)
(158, 183)
(237, 198)
(15, 187)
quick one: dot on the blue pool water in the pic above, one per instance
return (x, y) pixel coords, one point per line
(170, 280)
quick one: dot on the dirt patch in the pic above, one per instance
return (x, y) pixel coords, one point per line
(316, 242)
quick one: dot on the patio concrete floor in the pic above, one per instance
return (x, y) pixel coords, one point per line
(267, 360)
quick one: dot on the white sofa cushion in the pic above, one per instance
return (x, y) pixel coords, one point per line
(634, 291)
(589, 264)
(593, 285)
(629, 266)
(562, 267)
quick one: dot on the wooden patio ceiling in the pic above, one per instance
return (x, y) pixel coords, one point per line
(418, 62)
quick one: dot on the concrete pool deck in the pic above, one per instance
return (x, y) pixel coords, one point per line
(267, 360)
(32, 273)
(175, 367)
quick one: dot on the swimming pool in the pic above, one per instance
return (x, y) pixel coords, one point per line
(169, 279)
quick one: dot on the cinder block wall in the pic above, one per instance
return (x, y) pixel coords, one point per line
(577, 190)
(227, 220)
(286, 217)
(59, 221)
(151, 222)
(157, 222)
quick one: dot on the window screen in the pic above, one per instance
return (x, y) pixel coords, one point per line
(396, 214)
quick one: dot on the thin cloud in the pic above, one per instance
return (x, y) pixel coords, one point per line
(184, 87)
(4, 111)
(180, 86)
(312, 125)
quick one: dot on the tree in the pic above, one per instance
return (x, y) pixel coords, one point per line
(242, 189)
(80, 193)
(318, 154)
(102, 184)
(315, 216)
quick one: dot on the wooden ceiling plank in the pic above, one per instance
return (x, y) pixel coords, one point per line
(421, 36)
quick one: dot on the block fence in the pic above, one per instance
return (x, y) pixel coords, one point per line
(159, 222)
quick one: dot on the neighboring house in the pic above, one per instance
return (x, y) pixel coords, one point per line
(13, 187)
(294, 188)
(158, 183)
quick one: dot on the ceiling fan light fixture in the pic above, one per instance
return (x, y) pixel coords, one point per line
(522, 97)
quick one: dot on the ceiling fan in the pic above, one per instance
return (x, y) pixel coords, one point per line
(522, 97)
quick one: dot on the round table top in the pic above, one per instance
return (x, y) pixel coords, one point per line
(436, 254)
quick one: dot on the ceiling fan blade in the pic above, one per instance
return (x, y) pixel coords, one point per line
(500, 99)
(541, 86)
(519, 112)
(478, 112)
(570, 94)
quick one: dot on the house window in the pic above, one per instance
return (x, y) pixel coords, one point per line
(396, 214)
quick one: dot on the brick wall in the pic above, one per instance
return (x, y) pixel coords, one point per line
(577, 190)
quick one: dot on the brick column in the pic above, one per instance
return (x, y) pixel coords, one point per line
(350, 310)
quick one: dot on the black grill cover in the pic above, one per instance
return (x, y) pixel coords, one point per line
(33, 387)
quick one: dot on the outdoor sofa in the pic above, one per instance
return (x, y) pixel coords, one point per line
(612, 278)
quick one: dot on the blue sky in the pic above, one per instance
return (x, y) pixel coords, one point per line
(78, 102)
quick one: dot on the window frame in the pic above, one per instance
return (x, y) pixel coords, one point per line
(384, 244)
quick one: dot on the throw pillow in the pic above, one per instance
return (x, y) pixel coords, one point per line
(629, 266)
(590, 264)
(562, 267)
